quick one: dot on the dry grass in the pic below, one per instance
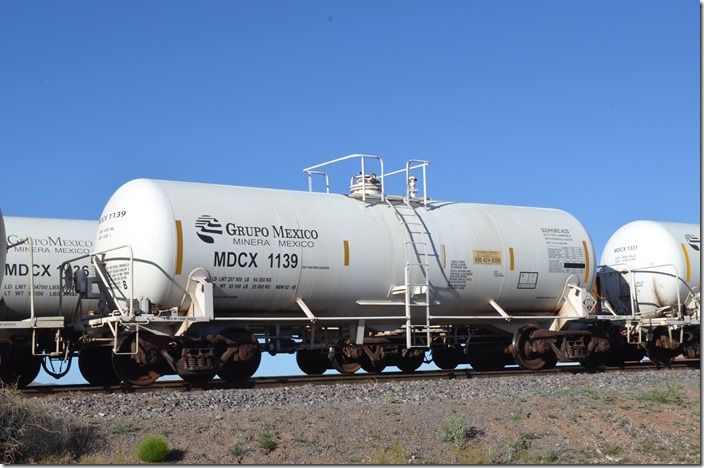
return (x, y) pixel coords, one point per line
(32, 432)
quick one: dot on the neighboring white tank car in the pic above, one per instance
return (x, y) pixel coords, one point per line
(40, 311)
(651, 273)
(198, 271)
(662, 261)
(50, 242)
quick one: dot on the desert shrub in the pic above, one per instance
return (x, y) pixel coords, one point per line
(395, 454)
(266, 441)
(124, 428)
(238, 451)
(455, 431)
(153, 449)
(32, 430)
(667, 394)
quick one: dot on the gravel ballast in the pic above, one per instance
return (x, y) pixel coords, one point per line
(616, 417)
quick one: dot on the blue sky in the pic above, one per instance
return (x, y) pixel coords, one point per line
(590, 107)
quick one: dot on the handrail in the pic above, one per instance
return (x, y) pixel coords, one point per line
(311, 170)
(31, 272)
(624, 269)
(130, 300)
(411, 164)
(410, 187)
(349, 156)
(310, 180)
(104, 280)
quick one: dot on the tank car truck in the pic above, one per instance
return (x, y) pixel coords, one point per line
(649, 282)
(40, 311)
(200, 279)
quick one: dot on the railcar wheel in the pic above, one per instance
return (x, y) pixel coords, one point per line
(346, 359)
(28, 367)
(485, 363)
(128, 363)
(312, 361)
(596, 359)
(8, 360)
(343, 366)
(95, 365)
(249, 356)
(691, 345)
(371, 367)
(410, 363)
(658, 347)
(621, 351)
(525, 357)
(446, 358)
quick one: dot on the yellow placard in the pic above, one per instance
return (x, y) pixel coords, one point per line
(486, 257)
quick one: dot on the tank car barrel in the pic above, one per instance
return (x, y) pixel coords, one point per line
(199, 279)
(376, 263)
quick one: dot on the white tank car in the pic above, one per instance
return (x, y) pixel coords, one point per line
(264, 248)
(54, 241)
(664, 259)
(214, 274)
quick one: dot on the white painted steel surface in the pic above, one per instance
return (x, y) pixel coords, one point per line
(54, 241)
(665, 250)
(264, 248)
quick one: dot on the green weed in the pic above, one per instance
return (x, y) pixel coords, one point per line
(153, 449)
(667, 394)
(124, 428)
(454, 430)
(265, 440)
(395, 454)
(613, 449)
(238, 451)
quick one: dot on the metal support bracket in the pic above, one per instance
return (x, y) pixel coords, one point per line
(501, 311)
(306, 310)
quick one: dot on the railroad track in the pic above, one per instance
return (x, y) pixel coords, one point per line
(332, 379)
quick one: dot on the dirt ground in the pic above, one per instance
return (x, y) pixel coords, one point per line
(659, 425)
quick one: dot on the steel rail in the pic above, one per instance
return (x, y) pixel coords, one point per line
(333, 379)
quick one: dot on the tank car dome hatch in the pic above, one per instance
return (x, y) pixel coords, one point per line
(365, 184)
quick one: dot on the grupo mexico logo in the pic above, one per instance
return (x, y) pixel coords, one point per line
(206, 225)
(693, 241)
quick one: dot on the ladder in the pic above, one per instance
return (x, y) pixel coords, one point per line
(416, 254)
